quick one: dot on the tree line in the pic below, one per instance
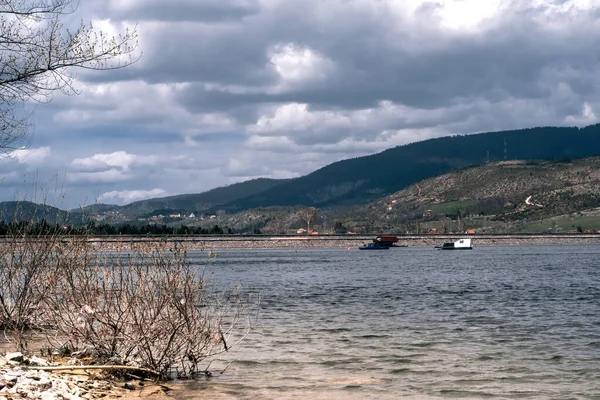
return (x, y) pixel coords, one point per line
(44, 228)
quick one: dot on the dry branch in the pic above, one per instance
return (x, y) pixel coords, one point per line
(100, 367)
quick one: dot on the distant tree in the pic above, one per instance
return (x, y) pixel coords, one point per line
(279, 224)
(444, 221)
(275, 226)
(307, 215)
(37, 53)
(339, 227)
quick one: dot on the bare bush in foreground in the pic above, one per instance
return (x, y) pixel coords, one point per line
(29, 264)
(147, 307)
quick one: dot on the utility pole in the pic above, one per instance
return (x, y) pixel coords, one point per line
(504, 149)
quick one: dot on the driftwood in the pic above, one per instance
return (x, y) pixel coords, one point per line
(101, 367)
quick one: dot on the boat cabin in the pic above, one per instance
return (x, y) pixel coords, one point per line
(374, 246)
(386, 240)
(461, 244)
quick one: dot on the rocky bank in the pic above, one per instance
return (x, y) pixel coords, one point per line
(22, 378)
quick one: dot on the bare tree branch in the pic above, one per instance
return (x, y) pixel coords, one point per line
(37, 55)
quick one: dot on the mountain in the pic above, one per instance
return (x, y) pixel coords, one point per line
(185, 203)
(29, 211)
(347, 184)
(365, 179)
(490, 196)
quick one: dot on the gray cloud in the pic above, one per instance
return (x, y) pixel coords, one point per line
(232, 90)
(185, 10)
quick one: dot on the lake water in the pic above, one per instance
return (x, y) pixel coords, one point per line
(413, 323)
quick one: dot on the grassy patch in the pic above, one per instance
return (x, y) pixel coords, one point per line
(452, 207)
(562, 224)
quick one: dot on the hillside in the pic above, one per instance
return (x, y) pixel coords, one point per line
(362, 180)
(185, 203)
(339, 188)
(28, 211)
(501, 197)
(507, 196)
(515, 193)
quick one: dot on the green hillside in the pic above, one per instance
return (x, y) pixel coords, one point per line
(365, 179)
(28, 211)
(494, 197)
(339, 188)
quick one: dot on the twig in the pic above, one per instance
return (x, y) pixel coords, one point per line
(222, 372)
(102, 367)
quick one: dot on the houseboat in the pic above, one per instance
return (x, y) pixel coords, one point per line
(461, 244)
(382, 242)
(373, 246)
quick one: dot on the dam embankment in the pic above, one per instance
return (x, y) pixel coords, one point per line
(222, 242)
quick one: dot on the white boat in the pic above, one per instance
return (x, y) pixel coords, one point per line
(461, 244)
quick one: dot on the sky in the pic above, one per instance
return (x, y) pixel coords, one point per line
(230, 90)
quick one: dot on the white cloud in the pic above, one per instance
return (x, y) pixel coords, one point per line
(120, 160)
(30, 156)
(108, 176)
(129, 196)
(297, 117)
(587, 116)
(298, 65)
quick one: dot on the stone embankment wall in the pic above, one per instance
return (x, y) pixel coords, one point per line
(307, 242)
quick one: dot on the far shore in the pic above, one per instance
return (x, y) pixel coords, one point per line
(222, 242)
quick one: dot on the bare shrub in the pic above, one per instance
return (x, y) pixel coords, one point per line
(30, 256)
(147, 307)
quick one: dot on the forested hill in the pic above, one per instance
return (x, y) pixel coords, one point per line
(365, 179)
(515, 192)
(198, 203)
(362, 180)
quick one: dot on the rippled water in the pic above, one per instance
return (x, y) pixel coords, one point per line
(415, 323)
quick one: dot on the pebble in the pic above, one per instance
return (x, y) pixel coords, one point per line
(18, 356)
(17, 381)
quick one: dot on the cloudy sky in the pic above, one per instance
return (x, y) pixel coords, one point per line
(231, 90)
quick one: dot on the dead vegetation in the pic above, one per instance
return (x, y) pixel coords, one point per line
(147, 307)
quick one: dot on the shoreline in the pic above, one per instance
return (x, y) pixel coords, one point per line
(26, 376)
(224, 242)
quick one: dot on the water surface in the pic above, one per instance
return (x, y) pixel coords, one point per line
(414, 323)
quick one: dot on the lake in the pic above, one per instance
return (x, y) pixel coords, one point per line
(414, 323)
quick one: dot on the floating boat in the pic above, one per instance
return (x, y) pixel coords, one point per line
(373, 246)
(382, 242)
(388, 241)
(461, 244)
